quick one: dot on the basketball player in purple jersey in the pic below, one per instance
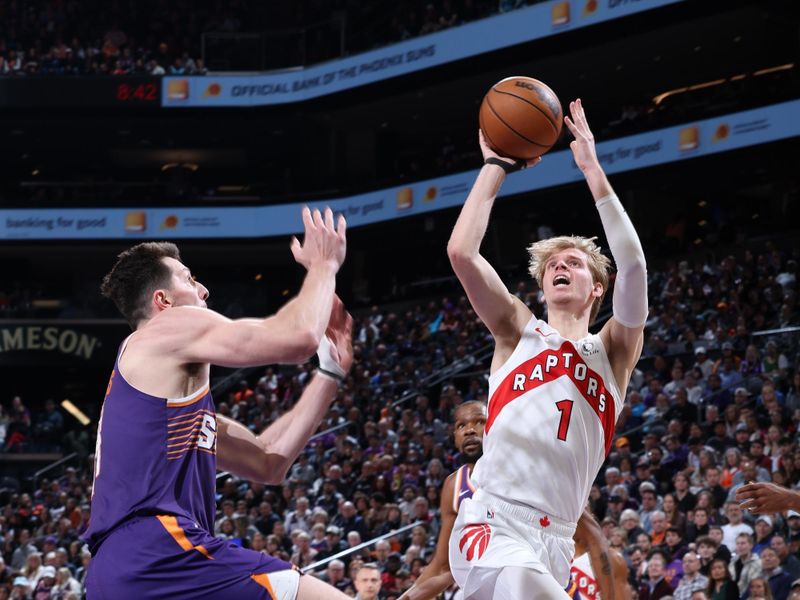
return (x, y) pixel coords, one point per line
(470, 418)
(555, 390)
(160, 442)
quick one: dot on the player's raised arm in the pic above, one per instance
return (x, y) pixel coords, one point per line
(267, 457)
(502, 312)
(197, 335)
(624, 331)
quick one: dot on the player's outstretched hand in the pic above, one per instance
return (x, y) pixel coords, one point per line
(489, 153)
(766, 498)
(340, 333)
(322, 242)
(583, 148)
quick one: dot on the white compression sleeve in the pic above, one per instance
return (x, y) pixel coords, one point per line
(630, 288)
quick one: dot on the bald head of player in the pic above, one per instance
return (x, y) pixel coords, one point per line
(149, 278)
(470, 419)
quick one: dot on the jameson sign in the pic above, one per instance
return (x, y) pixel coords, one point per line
(59, 342)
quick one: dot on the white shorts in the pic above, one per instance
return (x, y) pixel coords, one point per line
(490, 534)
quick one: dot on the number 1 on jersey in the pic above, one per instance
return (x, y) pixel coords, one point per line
(565, 408)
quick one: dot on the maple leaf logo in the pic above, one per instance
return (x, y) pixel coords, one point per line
(544, 521)
(476, 537)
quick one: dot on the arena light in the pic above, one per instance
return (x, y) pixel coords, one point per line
(75, 412)
(785, 67)
(699, 86)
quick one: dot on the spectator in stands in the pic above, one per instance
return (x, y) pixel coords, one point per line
(788, 561)
(348, 520)
(6, 574)
(300, 518)
(21, 589)
(780, 582)
(49, 427)
(759, 590)
(655, 586)
(735, 525)
(763, 535)
(774, 364)
(692, 579)
(746, 566)
(720, 585)
(703, 362)
(46, 584)
(335, 575)
(304, 554)
(33, 569)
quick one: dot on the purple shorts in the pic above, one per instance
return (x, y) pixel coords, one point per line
(170, 557)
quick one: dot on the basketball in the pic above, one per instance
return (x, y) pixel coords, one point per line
(521, 118)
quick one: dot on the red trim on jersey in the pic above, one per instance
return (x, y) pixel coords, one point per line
(506, 393)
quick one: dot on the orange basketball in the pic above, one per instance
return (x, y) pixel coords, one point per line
(521, 118)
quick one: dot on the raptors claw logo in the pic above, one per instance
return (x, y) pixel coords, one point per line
(477, 536)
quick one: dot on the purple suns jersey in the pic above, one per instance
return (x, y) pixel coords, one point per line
(464, 488)
(154, 456)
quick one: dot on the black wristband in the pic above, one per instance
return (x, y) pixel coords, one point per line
(331, 374)
(505, 165)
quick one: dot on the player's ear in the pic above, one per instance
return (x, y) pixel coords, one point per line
(161, 300)
(597, 291)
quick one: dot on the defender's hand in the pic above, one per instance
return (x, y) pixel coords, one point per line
(322, 242)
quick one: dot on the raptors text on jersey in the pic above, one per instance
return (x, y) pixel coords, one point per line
(552, 410)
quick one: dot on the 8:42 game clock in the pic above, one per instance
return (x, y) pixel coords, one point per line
(139, 92)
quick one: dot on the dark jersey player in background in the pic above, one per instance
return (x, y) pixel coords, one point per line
(160, 442)
(470, 417)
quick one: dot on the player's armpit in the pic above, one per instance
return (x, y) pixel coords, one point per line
(199, 335)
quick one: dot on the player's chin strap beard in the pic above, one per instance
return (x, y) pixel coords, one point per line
(467, 459)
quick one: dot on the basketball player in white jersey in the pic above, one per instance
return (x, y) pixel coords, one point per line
(555, 390)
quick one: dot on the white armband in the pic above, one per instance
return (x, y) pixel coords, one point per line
(327, 364)
(630, 287)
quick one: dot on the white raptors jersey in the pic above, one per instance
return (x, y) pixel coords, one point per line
(583, 576)
(552, 409)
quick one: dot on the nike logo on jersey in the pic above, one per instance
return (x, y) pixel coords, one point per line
(542, 333)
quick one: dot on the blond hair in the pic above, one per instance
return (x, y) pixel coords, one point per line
(599, 264)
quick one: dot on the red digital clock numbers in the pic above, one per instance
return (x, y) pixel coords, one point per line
(141, 92)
